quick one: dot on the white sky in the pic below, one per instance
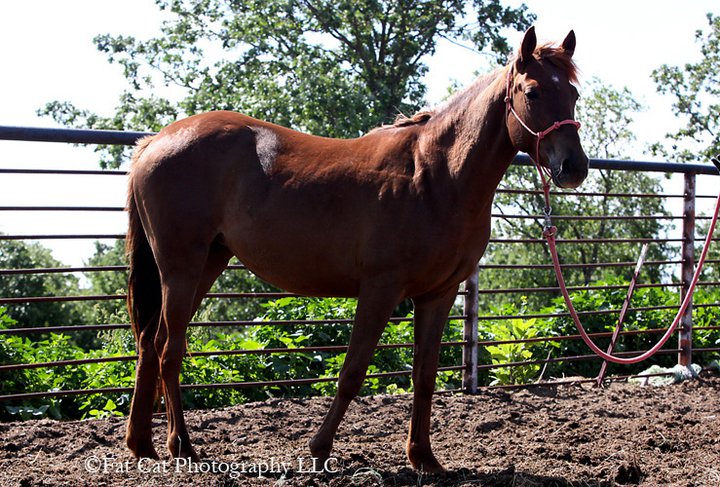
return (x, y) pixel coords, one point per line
(48, 54)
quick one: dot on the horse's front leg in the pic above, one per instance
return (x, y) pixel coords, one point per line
(375, 305)
(429, 322)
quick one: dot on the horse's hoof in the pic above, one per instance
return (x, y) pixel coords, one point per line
(428, 465)
(319, 449)
(189, 454)
(423, 460)
(432, 468)
(148, 452)
(320, 452)
(179, 450)
(142, 449)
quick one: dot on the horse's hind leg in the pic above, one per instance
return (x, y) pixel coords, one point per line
(180, 286)
(145, 304)
(429, 322)
(139, 429)
(373, 311)
(139, 434)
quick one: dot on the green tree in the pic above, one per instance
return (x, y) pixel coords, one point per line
(331, 68)
(695, 88)
(22, 255)
(108, 283)
(606, 116)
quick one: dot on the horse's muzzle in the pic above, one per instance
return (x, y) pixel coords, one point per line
(570, 171)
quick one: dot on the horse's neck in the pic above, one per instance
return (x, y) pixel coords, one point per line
(471, 137)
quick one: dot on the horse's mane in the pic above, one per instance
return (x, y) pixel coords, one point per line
(549, 52)
(403, 120)
(557, 56)
(458, 98)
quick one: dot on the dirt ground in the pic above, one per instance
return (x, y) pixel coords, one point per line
(573, 435)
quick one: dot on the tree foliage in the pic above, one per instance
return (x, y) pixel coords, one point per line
(327, 67)
(108, 283)
(695, 88)
(21, 255)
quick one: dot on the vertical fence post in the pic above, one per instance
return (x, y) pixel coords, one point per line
(470, 335)
(688, 267)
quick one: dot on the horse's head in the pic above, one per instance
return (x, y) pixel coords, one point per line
(541, 108)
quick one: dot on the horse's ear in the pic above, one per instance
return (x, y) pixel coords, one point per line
(527, 48)
(568, 44)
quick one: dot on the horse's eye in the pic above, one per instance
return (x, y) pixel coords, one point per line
(532, 93)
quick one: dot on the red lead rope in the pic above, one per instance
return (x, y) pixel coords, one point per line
(550, 231)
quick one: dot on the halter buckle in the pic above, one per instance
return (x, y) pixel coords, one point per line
(548, 224)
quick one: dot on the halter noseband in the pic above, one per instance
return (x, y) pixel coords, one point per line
(544, 172)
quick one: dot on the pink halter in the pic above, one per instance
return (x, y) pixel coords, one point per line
(543, 171)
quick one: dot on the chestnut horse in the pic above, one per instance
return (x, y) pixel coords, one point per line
(402, 212)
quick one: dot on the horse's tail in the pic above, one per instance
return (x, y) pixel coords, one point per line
(144, 298)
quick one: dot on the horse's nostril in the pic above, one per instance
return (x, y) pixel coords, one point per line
(564, 168)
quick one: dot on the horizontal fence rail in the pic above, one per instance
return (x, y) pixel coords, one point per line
(72, 136)
(476, 359)
(119, 137)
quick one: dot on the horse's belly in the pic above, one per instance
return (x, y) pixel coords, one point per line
(308, 281)
(299, 268)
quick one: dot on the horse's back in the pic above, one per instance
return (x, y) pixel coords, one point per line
(207, 135)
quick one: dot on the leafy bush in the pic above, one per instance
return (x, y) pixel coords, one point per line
(597, 300)
(612, 299)
(60, 347)
(513, 330)
(333, 327)
(201, 366)
(506, 353)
